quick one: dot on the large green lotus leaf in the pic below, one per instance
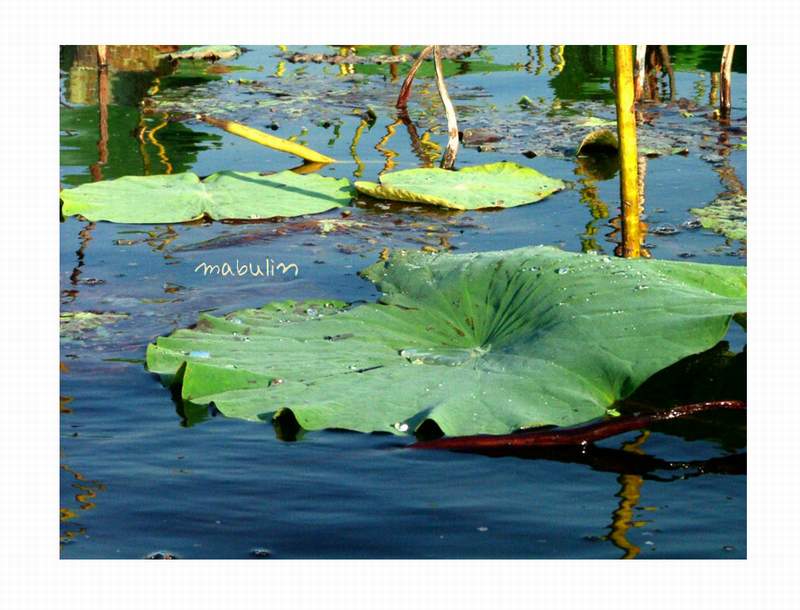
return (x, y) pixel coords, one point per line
(477, 343)
(727, 215)
(226, 195)
(495, 185)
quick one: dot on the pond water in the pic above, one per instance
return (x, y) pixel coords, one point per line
(139, 475)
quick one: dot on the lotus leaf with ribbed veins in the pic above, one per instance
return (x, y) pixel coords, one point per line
(490, 343)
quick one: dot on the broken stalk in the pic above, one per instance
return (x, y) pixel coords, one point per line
(405, 89)
(450, 153)
(725, 80)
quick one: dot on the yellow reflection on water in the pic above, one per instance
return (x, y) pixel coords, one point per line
(382, 148)
(359, 171)
(629, 494)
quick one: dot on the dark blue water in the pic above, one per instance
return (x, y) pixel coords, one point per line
(136, 478)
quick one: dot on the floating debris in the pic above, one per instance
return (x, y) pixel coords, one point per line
(665, 229)
(161, 555)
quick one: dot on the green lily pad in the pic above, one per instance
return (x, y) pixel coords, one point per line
(495, 185)
(726, 215)
(474, 343)
(225, 195)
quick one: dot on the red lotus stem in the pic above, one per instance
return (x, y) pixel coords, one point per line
(582, 435)
(405, 90)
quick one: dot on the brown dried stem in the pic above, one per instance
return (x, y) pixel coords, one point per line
(639, 71)
(725, 80)
(450, 153)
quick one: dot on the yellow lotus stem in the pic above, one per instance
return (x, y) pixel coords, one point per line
(628, 158)
(267, 140)
(308, 168)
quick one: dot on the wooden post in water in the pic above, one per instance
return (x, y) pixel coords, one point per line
(102, 55)
(628, 158)
(103, 99)
(725, 80)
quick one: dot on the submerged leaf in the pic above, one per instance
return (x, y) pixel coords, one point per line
(495, 185)
(211, 53)
(727, 215)
(474, 343)
(225, 195)
(75, 324)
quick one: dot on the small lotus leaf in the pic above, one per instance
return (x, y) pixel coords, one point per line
(495, 185)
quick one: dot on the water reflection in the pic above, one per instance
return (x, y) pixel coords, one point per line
(359, 170)
(629, 494)
(85, 490)
(150, 134)
(557, 57)
(382, 148)
(70, 294)
(622, 461)
(104, 127)
(582, 72)
(591, 170)
(423, 150)
(658, 65)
